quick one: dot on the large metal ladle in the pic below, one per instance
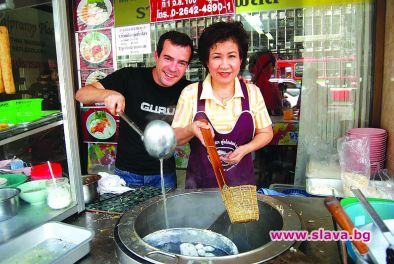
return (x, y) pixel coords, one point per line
(158, 137)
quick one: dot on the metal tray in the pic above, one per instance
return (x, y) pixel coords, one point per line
(52, 242)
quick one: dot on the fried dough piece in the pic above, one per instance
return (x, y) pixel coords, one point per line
(5, 61)
(1, 82)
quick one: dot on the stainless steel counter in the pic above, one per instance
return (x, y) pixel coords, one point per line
(312, 212)
(29, 217)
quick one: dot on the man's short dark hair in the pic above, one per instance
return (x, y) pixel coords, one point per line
(176, 38)
(220, 32)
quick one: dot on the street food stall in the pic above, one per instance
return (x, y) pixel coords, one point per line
(50, 148)
(37, 142)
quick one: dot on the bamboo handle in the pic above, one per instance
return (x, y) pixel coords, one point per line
(344, 221)
(213, 155)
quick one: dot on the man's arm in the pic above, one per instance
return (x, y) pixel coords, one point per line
(96, 93)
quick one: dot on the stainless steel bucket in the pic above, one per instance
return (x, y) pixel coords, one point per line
(9, 203)
(203, 209)
(90, 184)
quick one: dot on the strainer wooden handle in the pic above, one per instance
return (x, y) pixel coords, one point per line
(343, 220)
(213, 155)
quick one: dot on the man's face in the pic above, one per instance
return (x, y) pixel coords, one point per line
(171, 65)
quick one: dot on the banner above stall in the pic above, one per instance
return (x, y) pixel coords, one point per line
(131, 12)
(243, 6)
(165, 10)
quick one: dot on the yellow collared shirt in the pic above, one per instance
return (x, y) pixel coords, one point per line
(222, 116)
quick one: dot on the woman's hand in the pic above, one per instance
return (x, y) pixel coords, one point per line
(196, 129)
(184, 134)
(234, 157)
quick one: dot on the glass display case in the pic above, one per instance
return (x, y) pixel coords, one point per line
(37, 115)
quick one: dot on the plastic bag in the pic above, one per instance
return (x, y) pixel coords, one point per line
(110, 183)
(322, 161)
(355, 163)
(381, 185)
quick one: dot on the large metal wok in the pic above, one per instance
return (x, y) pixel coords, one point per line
(203, 209)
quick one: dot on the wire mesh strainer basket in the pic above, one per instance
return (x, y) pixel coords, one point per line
(241, 203)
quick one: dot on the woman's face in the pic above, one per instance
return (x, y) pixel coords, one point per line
(224, 62)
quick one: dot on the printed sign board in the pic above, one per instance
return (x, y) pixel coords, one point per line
(165, 10)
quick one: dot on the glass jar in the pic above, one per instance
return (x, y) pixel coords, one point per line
(59, 195)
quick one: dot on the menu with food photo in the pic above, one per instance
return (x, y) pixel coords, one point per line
(91, 76)
(95, 14)
(95, 49)
(101, 157)
(99, 125)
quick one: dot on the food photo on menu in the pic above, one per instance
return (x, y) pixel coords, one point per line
(93, 14)
(101, 157)
(91, 76)
(100, 125)
(95, 49)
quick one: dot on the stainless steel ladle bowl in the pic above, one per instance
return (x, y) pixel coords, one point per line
(158, 137)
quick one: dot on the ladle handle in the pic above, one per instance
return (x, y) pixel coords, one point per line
(131, 124)
(213, 155)
(344, 221)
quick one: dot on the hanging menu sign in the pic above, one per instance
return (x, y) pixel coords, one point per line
(133, 40)
(164, 10)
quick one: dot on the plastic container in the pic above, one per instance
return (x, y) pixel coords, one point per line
(13, 180)
(34, 192)
(42, 172)
(7, 112)
(59, 195)
(360, 217)
(28, 109)
(20, 111)
(288, 114)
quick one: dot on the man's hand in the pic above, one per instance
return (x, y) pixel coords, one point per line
(114, 102)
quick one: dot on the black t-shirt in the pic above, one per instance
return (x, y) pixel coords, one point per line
(145, 101)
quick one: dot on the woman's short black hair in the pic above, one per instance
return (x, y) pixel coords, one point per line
(221, 32)
(176, 38)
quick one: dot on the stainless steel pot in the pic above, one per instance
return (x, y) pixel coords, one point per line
(9, 203)
(203, 209)
(90, 184)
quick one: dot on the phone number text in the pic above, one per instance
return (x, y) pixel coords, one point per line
(194, 10)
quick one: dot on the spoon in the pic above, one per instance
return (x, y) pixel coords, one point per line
(158, 137)
(53, 176)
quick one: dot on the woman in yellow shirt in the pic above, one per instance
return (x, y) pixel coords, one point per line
(236, 111)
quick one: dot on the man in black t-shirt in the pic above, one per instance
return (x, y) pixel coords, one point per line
(144, 94)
